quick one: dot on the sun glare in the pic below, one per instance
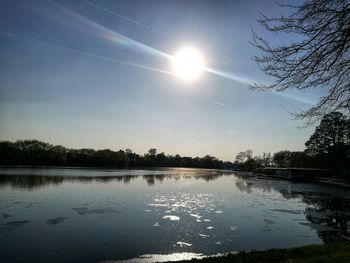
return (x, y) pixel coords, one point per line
(188, 64)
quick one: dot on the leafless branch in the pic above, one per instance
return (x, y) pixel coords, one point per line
(319, 59)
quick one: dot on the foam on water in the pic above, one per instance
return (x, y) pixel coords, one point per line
(172, 217)
(183, 244)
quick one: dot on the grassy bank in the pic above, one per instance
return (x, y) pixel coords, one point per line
(339, 253)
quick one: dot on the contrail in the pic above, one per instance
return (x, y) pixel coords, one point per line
(121, 39)
(117, 38)
(86, 53)
(220, 104)
(92, 55)
(110, 35)
(127, 18)
(246, 81)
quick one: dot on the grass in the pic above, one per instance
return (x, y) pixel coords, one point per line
(338, 253)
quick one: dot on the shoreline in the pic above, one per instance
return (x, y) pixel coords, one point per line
(336, 252)
(326, 181)
(112, 168)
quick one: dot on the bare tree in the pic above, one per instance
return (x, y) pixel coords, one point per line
(319, 58)
(243, 156)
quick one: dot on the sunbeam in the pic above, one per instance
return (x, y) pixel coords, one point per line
(230, 76)
(110, 35)
(88, 54)
(113, 37)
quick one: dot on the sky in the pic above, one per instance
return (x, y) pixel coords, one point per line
(98, 74)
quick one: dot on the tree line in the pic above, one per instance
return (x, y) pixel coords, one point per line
(34, 152)
(327, 148)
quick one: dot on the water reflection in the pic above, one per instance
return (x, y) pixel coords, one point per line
(164, 212)
(31, 182)
(327, 213)
(160, 258)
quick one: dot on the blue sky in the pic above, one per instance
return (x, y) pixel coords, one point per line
(58, 82)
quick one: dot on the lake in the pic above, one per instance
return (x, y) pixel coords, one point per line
(99, 215)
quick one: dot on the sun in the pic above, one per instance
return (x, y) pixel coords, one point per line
(188, 64)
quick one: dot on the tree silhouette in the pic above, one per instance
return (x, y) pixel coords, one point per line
(331, 138)
(34, 152)
(319, 58)
(244, 156)
(152, 152)
(263, 160)
(282, 158)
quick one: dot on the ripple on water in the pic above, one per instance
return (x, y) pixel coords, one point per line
(158, 205)
(14, 224)
(234, 228)
(268, 221)
(55, 221)
(5, 215)
(288, 211)
(196, 216)
(99, 211)
(183, 244)
(210, 227)
(171, 217)
(184, 202)
(156, 224)
(17, 223)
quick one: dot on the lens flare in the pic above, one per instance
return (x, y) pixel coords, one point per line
(188, 64)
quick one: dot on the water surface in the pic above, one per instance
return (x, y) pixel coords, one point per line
(91, 215)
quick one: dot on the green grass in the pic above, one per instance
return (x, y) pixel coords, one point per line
(338, 253)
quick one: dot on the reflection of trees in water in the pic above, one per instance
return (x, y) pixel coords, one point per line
(202, 175)
(333, 222)
(332, 212)
(205, 175)
(151, 178)
(244, 186)
(31, 182)
(328, 214)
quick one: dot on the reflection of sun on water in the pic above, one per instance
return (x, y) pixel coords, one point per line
(188, 64)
